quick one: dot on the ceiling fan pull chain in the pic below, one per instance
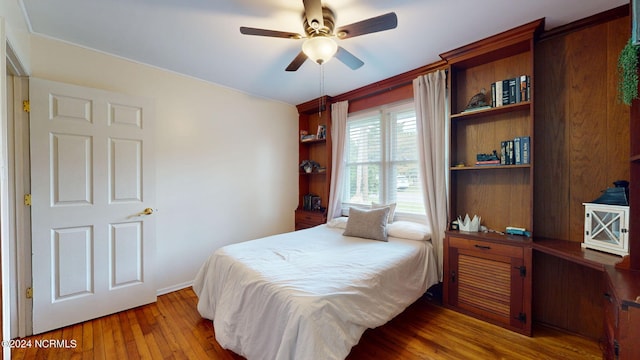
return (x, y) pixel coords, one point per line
(321, 91)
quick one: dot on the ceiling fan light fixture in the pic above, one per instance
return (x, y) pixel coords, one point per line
(320, 48)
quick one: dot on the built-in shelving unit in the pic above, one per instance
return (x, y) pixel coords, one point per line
(312, 114)
(489, 275)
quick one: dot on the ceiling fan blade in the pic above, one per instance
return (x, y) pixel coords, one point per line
(297, 62)
(313, 12)
(375, 24)
(348, 58)
(271, 33)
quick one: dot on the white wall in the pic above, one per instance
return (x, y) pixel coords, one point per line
(17, 31)
(226, 161)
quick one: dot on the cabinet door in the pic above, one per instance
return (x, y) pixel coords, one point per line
(629, 331)
(487, 280)
(611, 312)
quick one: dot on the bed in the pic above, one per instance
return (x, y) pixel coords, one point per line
(312, 293)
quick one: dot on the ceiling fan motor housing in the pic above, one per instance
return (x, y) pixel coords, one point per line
(313, 29)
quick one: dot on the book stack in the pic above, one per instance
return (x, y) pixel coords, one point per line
(516, 151)
(511, 91)
(311, 202)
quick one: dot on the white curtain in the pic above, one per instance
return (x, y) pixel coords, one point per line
(429, 92)
(339, 112)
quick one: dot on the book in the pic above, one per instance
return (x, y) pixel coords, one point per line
(476, 108)
(493, 94)
(514, 94)
(505, 92)
(525, 88)
(521, 148)
(525, 144)
(498, 93)
(510, 154)
(503, 153)
(517, 149)
(487, 162)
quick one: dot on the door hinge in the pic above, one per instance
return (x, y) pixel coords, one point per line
(26, 106)
(522, 317)
(522, 269)
(27, 199)
(29, 293)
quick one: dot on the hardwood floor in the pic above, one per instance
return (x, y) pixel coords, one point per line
(173, 329)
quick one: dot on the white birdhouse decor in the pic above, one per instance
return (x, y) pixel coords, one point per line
(606, 228)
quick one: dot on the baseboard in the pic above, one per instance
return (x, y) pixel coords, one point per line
(174, 288)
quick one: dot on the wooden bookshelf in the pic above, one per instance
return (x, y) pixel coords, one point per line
(502, 195)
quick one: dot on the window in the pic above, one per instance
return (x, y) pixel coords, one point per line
(382, 159)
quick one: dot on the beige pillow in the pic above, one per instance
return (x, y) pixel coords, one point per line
(368, 224)
(392, 210)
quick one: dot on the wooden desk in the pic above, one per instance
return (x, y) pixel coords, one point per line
(619, 288)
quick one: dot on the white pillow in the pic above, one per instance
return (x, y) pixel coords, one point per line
(338, 223)
(409, 230)
(392, 210)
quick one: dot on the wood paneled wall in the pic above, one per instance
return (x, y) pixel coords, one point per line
(581, 147)
(581, 129)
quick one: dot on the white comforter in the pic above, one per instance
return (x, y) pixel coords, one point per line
(309, 294)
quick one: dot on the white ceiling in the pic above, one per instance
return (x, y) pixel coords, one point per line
(201, 38)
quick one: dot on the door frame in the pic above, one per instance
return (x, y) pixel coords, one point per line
(15, 218)
(20, 219)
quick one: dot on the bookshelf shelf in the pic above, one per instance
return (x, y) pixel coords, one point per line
(314, 141)
(312, 173)
(522, 106)
(489, 167)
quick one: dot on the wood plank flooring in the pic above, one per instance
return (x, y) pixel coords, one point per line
(173, 329)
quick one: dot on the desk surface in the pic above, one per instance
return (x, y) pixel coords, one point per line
(573, 251)
(626, 282)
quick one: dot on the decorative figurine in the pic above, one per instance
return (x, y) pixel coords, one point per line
(478, 100)
(488, 157)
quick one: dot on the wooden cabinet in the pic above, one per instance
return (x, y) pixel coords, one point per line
(311, 115)
(306, 219)
(621, 314)
(489, 277)
(633, 260)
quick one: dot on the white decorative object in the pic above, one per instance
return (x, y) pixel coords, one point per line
(606, 228)
(472, 225)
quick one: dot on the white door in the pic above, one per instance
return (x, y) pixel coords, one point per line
(92, 179)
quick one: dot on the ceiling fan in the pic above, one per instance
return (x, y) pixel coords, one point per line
(320, 46)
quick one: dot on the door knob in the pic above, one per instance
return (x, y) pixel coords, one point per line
(147, 211)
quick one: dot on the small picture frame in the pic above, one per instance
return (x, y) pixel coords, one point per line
(322, 132)
(316, 203)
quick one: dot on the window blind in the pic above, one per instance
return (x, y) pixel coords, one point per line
(382, 159)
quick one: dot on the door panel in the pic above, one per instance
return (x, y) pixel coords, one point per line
(126, 254)
(73, 266)
(125, 170)
(71, 164)
(92, 177)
